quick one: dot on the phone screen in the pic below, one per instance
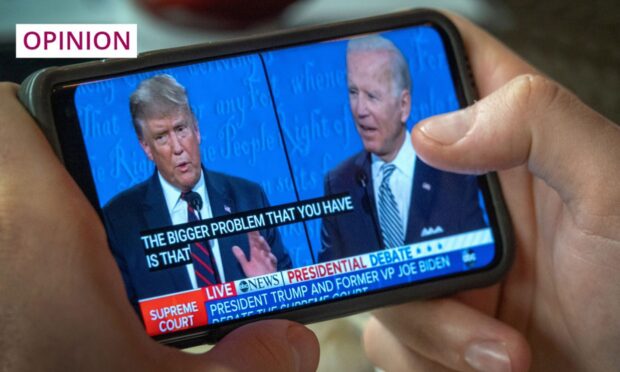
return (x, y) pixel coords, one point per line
(259, 183)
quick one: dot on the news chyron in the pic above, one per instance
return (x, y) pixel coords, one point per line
(281, 179)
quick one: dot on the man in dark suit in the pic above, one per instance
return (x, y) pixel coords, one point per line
(181, 190)
(397, 198)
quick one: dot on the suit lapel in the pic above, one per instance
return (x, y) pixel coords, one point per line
(367, 190)
(154, 205)
(156, 215)
(423, 192)
(219, 198)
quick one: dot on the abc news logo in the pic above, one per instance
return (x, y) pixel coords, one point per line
(260, 282)
(469, 258)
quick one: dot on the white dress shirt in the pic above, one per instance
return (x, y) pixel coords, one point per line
(177, 208)
(401, 180)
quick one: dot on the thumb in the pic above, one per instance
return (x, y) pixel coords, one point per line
(532, 121)
(447, 333)
(273, 345)
(270, 345)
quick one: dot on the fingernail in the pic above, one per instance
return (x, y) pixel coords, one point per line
(447, 128)
(488, 356)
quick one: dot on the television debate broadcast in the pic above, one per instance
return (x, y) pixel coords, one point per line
(253, 184)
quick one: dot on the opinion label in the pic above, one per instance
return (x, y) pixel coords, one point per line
(76, 40)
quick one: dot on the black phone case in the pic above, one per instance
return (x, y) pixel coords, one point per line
(36, 94)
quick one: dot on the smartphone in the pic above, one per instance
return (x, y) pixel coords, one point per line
(273, 176)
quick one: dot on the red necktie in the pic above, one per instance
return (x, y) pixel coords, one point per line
(201, 252)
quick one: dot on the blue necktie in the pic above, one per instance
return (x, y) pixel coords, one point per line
(201, 255)
(389, 217)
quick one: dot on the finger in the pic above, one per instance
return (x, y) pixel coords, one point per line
(532, 121)
(389, 354)
(485, 300)
(273, 260)
(457, 336)
(257, 241)
(272, 345)
(259, 255)
(240, 255)
(263, 244)
(253, 237)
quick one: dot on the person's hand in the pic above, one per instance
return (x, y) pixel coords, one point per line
(63, 302)
(261, 260)
(559, 306)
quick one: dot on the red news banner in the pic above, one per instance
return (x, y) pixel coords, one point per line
(183, 310)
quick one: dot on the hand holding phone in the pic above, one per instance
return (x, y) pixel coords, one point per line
(556, 159)
(302, 140)
(49, 340)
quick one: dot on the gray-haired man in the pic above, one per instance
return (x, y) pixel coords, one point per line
(398, 199)
(169, 135)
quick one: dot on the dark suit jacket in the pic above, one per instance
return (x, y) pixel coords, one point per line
(143, 207)
(441, 204)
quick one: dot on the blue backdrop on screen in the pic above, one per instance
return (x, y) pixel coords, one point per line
(310, 88)
(239, 128)
(239, 132)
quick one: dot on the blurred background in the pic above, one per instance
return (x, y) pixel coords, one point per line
(574, 42)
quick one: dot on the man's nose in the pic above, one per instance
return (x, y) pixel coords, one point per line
(361, 107)
(175, 143)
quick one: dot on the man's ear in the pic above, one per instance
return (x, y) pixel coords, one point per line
(405, 105)
(146, 148)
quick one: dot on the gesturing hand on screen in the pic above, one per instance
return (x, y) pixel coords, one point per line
(64, 307)
(261, 260)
